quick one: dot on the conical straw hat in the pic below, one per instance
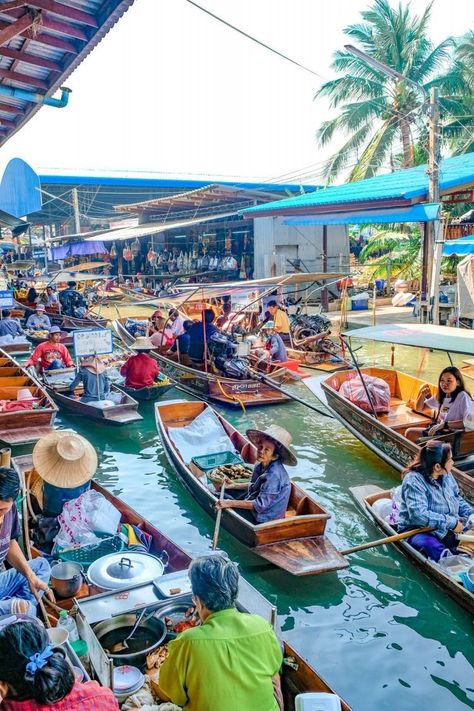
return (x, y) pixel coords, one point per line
(64, 459)
(278, 435)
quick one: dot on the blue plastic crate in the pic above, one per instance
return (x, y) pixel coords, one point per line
(211, 461)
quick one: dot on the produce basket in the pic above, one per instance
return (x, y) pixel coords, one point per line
(86, 555)
(216, 475)
(210, 461)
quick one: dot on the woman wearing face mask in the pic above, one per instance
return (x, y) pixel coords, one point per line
(269, 490)
(430, 497)
(453, 404)
(34, 676)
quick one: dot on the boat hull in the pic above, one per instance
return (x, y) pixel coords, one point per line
(147, 394)
(226, 391)
(365, 496)
(123, 414)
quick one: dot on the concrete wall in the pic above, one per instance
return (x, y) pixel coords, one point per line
(274, 242)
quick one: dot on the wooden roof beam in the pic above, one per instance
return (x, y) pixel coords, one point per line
(71, 13)
(8, 109)
(7, 123)
(11, 30)
(23, 79)
(49, 23)
(21, 56)
(56, 42)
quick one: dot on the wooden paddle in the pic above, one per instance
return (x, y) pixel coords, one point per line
(382, 541)
(215, 537)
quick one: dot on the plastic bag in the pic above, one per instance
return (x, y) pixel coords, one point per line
(454, 563)
(80, 517)
(356, 391)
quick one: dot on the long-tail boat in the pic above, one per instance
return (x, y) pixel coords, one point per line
(296, 543)
(210, 386)
(123, 413)
(66, 323)
(384, 433)
(297, 675)
(366, 496)
(22, 426)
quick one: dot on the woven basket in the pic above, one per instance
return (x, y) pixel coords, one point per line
(86, 555)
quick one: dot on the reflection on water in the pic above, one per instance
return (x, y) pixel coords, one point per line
(379, 632)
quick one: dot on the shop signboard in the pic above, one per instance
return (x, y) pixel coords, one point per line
(6, 299)
(91, 341)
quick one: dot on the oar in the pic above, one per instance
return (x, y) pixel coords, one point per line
(215, 537)
(269, 381)
(382, 541)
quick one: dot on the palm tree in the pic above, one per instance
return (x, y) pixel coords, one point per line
(378, 113)
(460, 84)
(394, 253)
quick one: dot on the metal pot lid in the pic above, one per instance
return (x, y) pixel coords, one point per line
(127, 677)
(121, 570)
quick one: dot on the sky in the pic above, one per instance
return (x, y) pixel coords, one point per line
(171, 90)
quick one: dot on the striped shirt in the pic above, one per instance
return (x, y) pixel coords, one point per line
(432, 502)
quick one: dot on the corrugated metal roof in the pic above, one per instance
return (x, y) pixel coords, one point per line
(41, 57)
(409, 185)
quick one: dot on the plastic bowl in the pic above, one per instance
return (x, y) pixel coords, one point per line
(58, 636)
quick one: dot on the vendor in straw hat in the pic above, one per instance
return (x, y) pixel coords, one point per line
(140, 370)
(39, 321)
(269, 490)
(92, 374)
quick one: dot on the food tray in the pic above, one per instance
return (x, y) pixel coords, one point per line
(179, 579)
(210, 461)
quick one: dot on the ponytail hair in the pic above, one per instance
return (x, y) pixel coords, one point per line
(433, 452)
(47, 682)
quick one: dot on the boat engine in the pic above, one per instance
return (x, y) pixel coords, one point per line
(222, 350)
(303, 326)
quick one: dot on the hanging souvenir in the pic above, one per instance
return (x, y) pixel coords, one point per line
(228, 241)
(243, 273)
(135, 248)
(113, 251)
(151, 255)
(127, 253)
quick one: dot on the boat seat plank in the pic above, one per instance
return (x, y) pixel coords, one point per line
(402, 416)
(303, 556)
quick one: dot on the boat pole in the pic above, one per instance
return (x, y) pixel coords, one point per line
(388, 539)
(269, 381)
(215, 537)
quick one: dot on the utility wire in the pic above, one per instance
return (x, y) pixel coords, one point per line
(254, 39)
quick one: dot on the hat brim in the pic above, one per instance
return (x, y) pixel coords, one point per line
(55, 470)
(286, 455)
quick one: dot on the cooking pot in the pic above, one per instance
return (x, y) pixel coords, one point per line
(124, 570)
(153, 629)
(66, 578)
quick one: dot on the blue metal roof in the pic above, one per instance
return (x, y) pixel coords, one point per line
(410, 184)
(157, 180)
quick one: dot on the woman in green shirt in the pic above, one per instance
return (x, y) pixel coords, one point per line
(230, 661)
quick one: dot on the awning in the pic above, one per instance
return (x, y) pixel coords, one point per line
(459, 247)
(78, 249)
(438, 338)
(417, 213)
(130, 233)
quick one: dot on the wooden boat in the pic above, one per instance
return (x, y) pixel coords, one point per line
(318, 360)
(122, 414)
(384, 434)
(298, 676)
(296, 543)
(23, 426)
(66, 323)
(148, 394)
(66, 339)
(16, 348)
(210, 386)
(366, 496)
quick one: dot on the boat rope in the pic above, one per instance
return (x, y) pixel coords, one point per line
(231, 397)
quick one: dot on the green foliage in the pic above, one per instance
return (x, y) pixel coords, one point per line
(380, 115)
(399, 252)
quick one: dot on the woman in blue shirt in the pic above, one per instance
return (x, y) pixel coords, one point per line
(268, 493)
(430, 497)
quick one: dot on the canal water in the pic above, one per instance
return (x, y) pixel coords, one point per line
(381, 633)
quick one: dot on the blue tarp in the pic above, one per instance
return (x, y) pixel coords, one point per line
(20, 192)
(418, 213)
(78, 249)
(459, 247)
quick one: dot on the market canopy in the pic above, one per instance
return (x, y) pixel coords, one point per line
(130, 233)
(426, 212)
(419, 335)
(65, 275)
(78, 249)
(459, 247)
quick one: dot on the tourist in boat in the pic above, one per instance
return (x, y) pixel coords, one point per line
(268, 494)
(162, 337)
(430, 497)
(181, 345)
(225, 312)
(232, 659)
(280, 319)
(35, 676)
(9, 327)
(196, 334)
(140, 370)
(39, 321)
(51, 297)
(24, 581)
(453, 404)
(52, 354)
(177, 323)
(32, 296)
(93, 376)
